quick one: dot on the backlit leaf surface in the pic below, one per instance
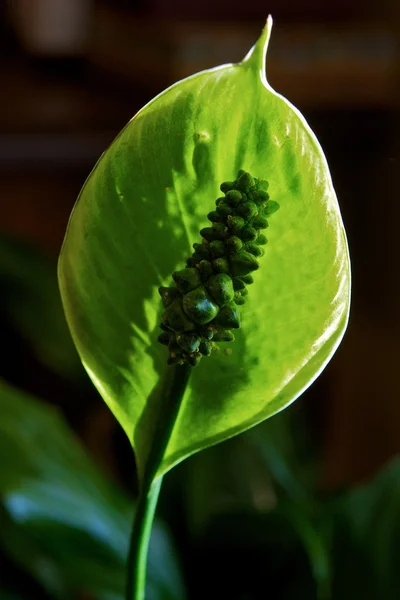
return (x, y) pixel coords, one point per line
(135, 221)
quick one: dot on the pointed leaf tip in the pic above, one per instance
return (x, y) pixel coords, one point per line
(256, 57)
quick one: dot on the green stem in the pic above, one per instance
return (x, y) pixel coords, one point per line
(140, 538)
(150, 485)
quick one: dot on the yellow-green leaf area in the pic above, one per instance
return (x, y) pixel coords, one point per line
(135, 221)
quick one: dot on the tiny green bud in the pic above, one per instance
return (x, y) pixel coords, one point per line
(226, 186)
(254, 249)
(247, 210)
(221, 230)
(209, 234)
(221, 288)
(243, 263)
(175, 318)
(233, 197)
(187, 279)
(205, 348)
(202, 251)
(259, 222)
(224, 335)
(261, 239)
(221, 265)
(207, 332)
(199, 307)
(228, 317)
(215, 216)
(224, 210)
(263, 185)
(189, 342)
(245, 182)
(247, 279)
(260, 196)
(238, 299)
(233, 244)
(236, 224)
(217, 248)
(248, 233)
(270, 208)
(194, 359)
(206, 269)
(238, 284)
(168, 294)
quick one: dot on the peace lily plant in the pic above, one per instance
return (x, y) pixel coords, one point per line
(193, 328)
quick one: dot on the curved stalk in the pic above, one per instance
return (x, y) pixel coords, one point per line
(150, 485)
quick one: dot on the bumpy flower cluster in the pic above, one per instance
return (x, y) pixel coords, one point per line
(201, 307)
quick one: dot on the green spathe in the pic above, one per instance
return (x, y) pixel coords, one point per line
(135, 222)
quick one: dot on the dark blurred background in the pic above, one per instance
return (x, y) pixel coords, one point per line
(73, 72)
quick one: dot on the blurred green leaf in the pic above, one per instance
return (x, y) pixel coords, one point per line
(366, 542)
(262, 557)
(284, 445)
(61, 519)
(30, 301)
(135, 221)
(260, 473)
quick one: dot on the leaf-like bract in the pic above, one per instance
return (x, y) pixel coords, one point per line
(135, 221)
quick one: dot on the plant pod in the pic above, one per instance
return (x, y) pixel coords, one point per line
(243, 263)
(248, 233)
(223, 210)
(202, 251)
(135, 223)
(205, 349)
(236, 225)
(199, 287)
(217, 249)
(233, 197)
(224, 335)
(199, 306)
(188, 342)
(254, 249)
(238, 283)
(261, 240)
(260, 222)
(228, 317)
(168, 295)
(221, 288)
(186, 280)
(233, 244)
(238, 299)
(175, 318)
(215, 217)
(245, 181)
(220, 265)
(247, 210)
(206, 269)
(271, 208)
(209, 234)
